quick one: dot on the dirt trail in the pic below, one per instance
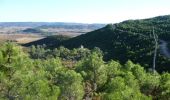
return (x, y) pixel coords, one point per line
(164, 48)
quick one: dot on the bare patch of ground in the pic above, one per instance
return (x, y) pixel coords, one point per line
(20, 38)
(164, 48)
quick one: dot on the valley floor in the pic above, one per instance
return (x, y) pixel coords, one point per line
(20, 38)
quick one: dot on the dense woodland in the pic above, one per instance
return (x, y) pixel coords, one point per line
(111, 63)
(32, 75)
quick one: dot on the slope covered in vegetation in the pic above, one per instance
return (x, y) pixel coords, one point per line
(26, 78)
(49, 41)
(161, 25)
(132, 39)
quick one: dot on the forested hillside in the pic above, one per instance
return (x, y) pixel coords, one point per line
(161, 25)
(35, 76)
(132, 39)
(111, 63)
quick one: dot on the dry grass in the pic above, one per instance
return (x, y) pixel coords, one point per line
(14, 34)
(20, 38)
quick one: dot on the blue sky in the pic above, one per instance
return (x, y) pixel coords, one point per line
(84, 11)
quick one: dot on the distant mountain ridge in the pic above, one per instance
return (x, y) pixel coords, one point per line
(48, 28)
(47, 24)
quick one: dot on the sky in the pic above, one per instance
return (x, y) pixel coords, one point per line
(81, 11)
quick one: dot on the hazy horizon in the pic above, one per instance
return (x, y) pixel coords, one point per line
(84, 11)
(75, 22)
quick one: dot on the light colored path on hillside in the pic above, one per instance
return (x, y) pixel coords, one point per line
(163, 45)
(164, 48)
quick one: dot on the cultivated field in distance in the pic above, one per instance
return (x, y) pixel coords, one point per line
(25, 32)
(20, 38)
